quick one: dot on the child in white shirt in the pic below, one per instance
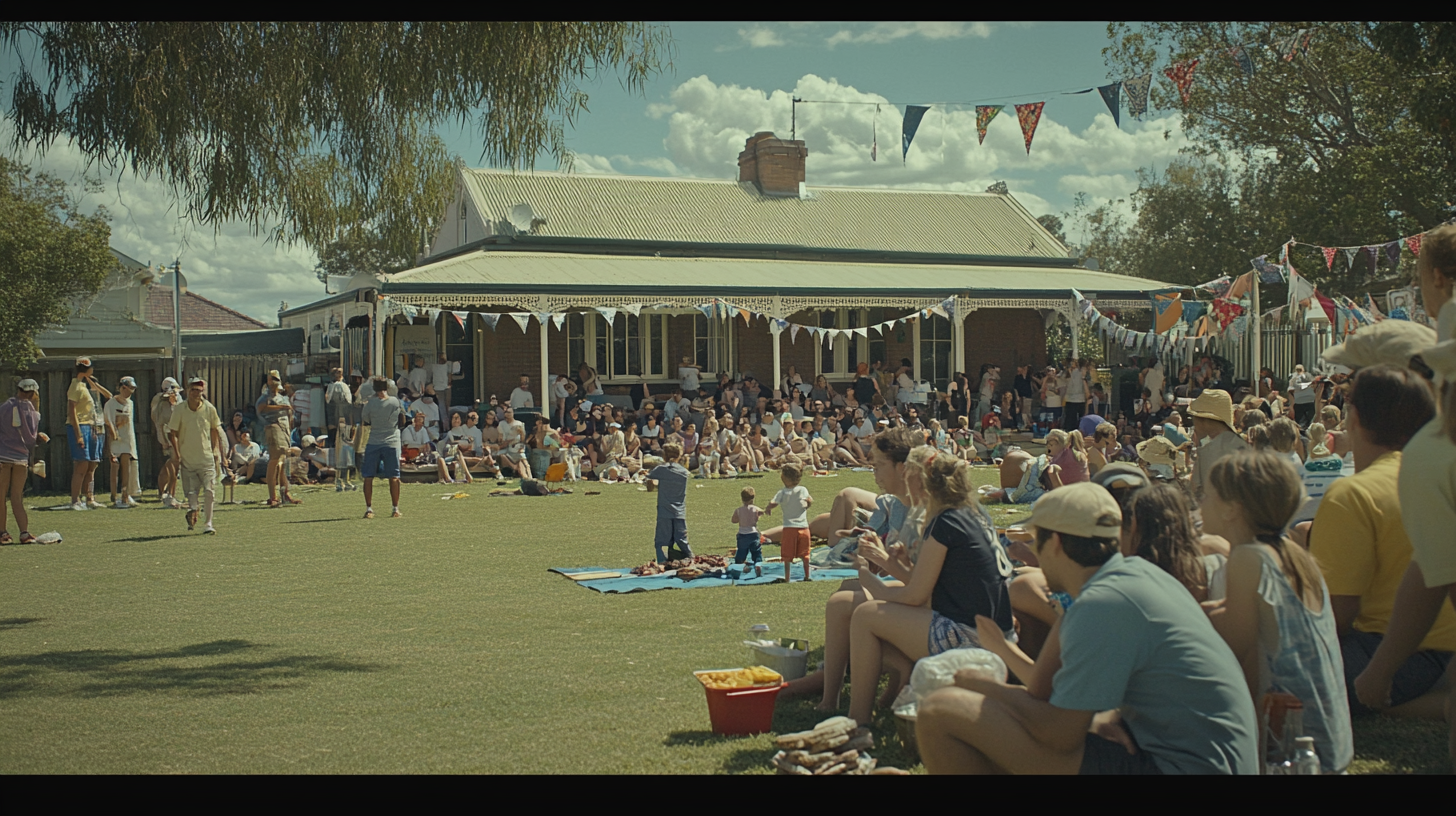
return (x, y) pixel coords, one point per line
(796, 501)
(749, 543)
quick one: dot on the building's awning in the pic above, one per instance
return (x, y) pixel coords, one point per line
(500, 272)
(233, 343)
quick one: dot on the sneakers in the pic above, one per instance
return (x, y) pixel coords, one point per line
(191, 519)
(94, 505)
(121, 505)
(396, 514)
(131, 502)
(170, 503)
(208, 530)
(79, 506)
(369, 514)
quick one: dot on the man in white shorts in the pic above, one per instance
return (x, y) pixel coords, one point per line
(196, 432)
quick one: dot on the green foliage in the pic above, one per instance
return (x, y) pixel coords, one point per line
(365, 252)
(1053, 225)
(1326, 147)
(51, 255)
(313, 128)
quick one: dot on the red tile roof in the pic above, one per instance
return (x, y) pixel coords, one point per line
(198, 313)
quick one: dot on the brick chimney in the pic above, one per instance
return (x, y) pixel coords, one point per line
(775, 165)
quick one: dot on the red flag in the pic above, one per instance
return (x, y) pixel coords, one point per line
(1329, 256)
(1414, 242)
(1029, 115)
(1182, 76)
(1326, 304)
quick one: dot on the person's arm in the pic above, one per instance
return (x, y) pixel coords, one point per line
(1415, 611)
(1236, 618)
(922, 580)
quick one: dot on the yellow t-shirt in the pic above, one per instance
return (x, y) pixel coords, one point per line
(194, 433)
(80, 393)
(1428, 502)
(1362, 548)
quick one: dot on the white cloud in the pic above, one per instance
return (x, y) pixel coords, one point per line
(232, 266)
(710, 122)
(761, 37)
(889, 32)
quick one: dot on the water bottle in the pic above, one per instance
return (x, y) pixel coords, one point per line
(1306, 761)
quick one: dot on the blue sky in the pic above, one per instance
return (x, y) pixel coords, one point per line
(730, 80)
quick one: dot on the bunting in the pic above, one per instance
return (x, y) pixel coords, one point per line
(1182, 76)
(1374, 254)
(608, 313)
(1268, 273)
(1241, 286)
(793, 333)
(1392, 251)
(433, 316)
(1350, 256)
(1300, 289)
(461, 317)
(875, 135)
(490, 319)
(1241, 56)
(1374, 310)
(559, 320)
(1137, 94)
(1414, 242)
(1327, 305)
(634, 309)
(523, 319)
(1167, 309)
(1112, 95)
(1218, 287)
(1029, 115)
(984, 115)
(911, 123)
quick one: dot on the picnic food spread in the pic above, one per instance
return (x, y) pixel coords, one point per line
(740, 678)
(834, 747)
(696, 565)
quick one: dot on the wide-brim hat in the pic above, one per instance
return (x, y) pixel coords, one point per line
(1156, 450)
(28, 385)
(1393, 342)
(1216, 405)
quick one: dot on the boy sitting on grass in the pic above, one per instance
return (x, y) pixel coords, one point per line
(796, 501)
(672, 494)
(746, 517)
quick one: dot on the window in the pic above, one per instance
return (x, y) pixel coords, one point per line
(935, 351)
(847, 353)
(629, 347)
(876, 339)
(713, 346)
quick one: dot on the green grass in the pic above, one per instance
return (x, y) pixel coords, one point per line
(306, 639)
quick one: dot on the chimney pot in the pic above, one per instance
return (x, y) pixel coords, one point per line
(775, 165)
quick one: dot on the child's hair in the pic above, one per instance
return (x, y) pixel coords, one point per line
(946, 478)
(964, 422)
(934, 424)
(747, 495)
(1282, 434)
(1267, 489)
(791, 472)
(1253, 417)
(1318, 438)
(1071, 440)
(1330, 416)
(1258, 437)
(1105, 431)
(672, 451)
(1165, 534)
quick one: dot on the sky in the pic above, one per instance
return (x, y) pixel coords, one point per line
(730, 80)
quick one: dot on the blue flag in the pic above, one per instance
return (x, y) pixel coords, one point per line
(913, 115)
(1112, 95)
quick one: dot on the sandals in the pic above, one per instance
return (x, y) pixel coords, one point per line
(274, 503)
(6, 539)
(291, 500)
(369, 514)
(27, 538)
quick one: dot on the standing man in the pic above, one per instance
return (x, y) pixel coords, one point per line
(418, 377)
(85, 427)
(1213, 419)
(440, 379)
(196, 432)
(1024, 388)
(275, 409)
(163, 403)
(1302, 395)
(381, 415)
(336, 402)
(522, 397)
(688, 373)
(119, 426)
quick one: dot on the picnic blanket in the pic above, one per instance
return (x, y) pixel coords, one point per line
(639, 583)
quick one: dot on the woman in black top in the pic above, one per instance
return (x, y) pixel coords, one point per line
(961, 570)
(960, 398)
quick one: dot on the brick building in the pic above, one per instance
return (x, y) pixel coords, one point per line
(617, 268)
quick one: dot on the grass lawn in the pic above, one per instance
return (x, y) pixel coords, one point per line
(306, 639)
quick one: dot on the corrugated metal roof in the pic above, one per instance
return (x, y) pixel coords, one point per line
(502, 271)
(730, 212)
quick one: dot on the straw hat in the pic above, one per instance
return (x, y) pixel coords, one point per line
(1156, 450)
(1389, 341)
(1213, 404)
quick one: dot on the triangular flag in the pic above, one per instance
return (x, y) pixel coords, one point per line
(1329, 256)
(1414, 242)
(1182, 76)
(543, 318)
(1137, 94)
(432, 315)
(938, 310)
(743, 313)
(875, 135)
(409, 311)
(1112, 95)
(461, 317)
(1350, 256)
(1374, 310)
(830, 335)
(490, 319)
(984, 115)
(1028, 115)
(793, 332)
(1243, 58)
(559, 319)
(633, 309)
(523, 319)
(706, 309)
(911, 123)
(1167, 309)
(609, 313)
(1300, 288)
(948, 306)
(1392, 251)
(862, 332)
(1328, 306)
(1374, 253)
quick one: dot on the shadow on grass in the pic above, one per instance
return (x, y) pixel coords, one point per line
(744, 759)
(319, 521)
(200, 669)
(16, 623)
(145, 539)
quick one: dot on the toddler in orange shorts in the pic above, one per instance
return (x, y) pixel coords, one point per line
(796, 501)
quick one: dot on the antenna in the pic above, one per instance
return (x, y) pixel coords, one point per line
(521, 217)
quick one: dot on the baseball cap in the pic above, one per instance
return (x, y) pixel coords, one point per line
(1389, 341)
(309, 439)
(196, 381)
(129, 382)
(1115, 475)
(1081, 509)
(168, 383)
(28, 385)
(83, 361)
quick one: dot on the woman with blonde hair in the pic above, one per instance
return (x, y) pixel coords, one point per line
(1284, 440)
(1064, 454)
(1103, 449)
(960, 572)
(1276, 616)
